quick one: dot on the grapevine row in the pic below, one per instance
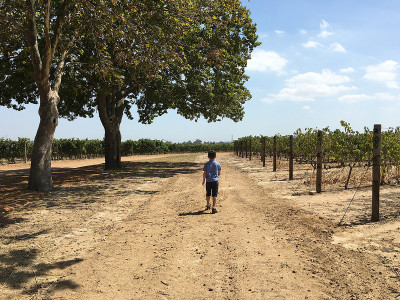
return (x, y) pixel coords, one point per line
(340, 148)
(21, 149)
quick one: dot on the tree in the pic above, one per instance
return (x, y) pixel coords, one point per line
(113, 68)
(113, 55)
(169, 54)
(37, 37)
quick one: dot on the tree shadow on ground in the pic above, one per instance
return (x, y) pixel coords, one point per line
(13, 191)
(17, 268)
(62, 177)
(6, 221)
(74, 188)
(20, 237)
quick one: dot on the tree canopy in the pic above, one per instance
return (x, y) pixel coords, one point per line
(184, 55)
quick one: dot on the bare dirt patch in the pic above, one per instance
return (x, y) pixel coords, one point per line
(142, 232)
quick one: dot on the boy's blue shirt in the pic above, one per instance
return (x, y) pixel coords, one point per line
(212, 167)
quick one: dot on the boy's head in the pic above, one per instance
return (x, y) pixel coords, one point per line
(212, 154)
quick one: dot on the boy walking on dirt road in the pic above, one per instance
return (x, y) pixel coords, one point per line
(212, 171)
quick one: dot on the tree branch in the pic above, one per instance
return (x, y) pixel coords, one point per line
(101, 105)
(59, 71)
(119, 109)
(31, 36)
(60, 19)
(46, 24)
(48, 53)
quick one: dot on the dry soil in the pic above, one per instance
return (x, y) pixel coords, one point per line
(142, 233)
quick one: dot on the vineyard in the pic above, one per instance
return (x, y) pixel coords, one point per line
(344, 148)
(13, 151)
(357, 157)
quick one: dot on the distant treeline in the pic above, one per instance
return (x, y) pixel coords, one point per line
(21, 149)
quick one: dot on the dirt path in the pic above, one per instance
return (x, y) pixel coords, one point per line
(143, 234)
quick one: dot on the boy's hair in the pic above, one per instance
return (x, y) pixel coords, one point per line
(212, 154)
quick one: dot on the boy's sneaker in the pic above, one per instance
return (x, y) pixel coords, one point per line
(208, 207)
(214, 211)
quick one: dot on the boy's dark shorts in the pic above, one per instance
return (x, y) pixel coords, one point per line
(212, 187)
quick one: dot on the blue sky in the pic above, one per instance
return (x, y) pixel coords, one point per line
(320, 62)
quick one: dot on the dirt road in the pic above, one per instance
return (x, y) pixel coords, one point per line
(142, 233)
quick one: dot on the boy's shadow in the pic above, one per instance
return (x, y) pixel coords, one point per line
(194, 213)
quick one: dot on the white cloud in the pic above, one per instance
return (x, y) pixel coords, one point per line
(267, 100)
(337, 48)
(324, 33)
(383, 97)
(311, 86)
(323, 24)
(303, 31)
(386, 72)
(386, 97)
(347, 70)
(355, 98)
(307, 107)
(279, 32)
(264, 61)
(311, 44)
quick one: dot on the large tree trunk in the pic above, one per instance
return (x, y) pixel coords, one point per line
(112, 147)
(111, 110)
(40, 173)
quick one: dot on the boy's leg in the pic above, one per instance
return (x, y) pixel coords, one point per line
(214, 195)
(208, 194)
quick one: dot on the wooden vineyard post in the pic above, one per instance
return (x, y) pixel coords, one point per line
(25, 154)
(250, 150)
(263, 150)
(376, 172)
(274, 152)
(319, 162)
(291, 157)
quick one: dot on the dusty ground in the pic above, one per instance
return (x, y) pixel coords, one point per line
(141, 233)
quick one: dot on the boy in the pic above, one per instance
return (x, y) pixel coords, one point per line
(212, 171)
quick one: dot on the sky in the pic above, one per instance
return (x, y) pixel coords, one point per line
(320, 62)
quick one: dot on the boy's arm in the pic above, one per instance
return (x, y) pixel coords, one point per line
(204, 177)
